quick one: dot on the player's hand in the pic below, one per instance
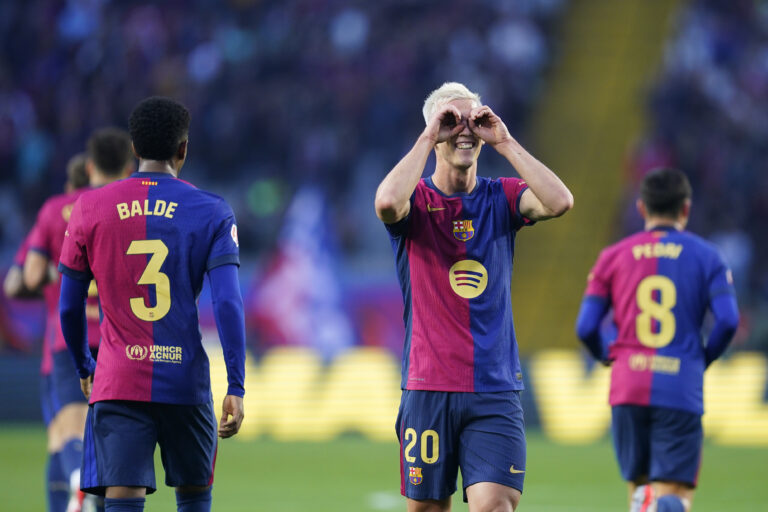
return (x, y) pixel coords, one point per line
(231, 416)
(446, 123)
(86, 385)
(488, 126)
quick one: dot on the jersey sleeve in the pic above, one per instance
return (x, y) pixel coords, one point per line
(74, 256)
(39, 237)
(400, 228)
(513, 189)
(599, 278)
(719, 279)
(226, 246)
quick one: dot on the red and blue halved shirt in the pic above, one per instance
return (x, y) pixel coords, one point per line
(454, 263)
(148, 240)
(660, 284)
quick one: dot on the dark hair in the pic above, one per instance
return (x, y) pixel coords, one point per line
(664, 192)
(158, 125)
(110, 150)
(77, 177)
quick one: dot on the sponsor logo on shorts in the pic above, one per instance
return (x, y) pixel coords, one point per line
(136, 352)
(414, 475)
(515, 471)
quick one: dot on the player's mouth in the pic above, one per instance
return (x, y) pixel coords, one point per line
(465, 144)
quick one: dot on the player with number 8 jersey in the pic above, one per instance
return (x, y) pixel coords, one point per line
(148, 241)
(660, 283)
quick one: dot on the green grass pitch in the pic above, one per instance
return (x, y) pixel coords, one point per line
(352, 474)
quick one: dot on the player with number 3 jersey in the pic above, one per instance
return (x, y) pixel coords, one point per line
(148, 241)
(660, 283)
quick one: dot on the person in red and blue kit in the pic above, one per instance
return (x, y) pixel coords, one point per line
(148, 241)
(453, 236)
(660, 283)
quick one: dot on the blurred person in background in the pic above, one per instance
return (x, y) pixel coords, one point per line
(660, 283)
(453, 235)
(109, 158)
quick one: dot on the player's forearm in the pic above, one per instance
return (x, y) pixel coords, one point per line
(588, 323)
(554, 196)
(726, 314)
(230, 322)
(74, 324)
(394, 193)
(35, 270)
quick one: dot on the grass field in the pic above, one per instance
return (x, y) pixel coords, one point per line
(352, 474)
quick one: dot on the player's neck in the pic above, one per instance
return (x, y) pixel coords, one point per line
(652, 223)
(159, 166)
(451, 180)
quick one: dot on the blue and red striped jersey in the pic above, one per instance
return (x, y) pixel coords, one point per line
(454, 263)
(148, 240)
(660, 284)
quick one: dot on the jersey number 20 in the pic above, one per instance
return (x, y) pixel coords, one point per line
(152, 275)
(659, 310)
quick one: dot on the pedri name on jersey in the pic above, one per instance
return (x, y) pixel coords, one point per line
(160, 208)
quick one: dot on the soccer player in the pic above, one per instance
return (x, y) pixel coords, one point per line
(108, 158)
(148, 241)
(453, 236)
(660, 283)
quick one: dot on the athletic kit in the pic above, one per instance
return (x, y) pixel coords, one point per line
(461, 372)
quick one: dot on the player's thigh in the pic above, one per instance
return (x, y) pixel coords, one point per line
(676, 443)
(187, 438)
(631, 429)
(119, 445)
(428, 446)
(493, 446)
(70, 420)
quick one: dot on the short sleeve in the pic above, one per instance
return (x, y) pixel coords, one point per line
(225, 248)
(599, 278)
(400, 228)
(74, 254)
(38, 239)
(720, 278)
(513, 190)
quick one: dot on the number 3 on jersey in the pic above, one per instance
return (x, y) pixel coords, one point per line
(657, 309)
(152, 275)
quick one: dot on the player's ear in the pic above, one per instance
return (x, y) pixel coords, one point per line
(685, 212)
(89, 168)
(641, 209)
(133, 148)
(181, 152)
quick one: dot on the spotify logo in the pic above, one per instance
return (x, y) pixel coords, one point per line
(468, 278)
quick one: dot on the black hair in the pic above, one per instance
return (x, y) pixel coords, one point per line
(110, 150)
(158, 125)
(665, 191)
(77, 177)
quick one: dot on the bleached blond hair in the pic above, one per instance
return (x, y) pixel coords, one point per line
(449, 91)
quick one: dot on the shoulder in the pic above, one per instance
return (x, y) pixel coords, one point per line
(702, 248)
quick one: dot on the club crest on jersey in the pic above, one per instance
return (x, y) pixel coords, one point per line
(136, 352)
(414, 475)
(66, 212)
(463, 230)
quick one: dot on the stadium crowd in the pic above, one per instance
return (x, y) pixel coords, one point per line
(707, 117)
(282, 92)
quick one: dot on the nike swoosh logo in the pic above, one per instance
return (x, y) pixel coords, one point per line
(431, 208)
(515, 471)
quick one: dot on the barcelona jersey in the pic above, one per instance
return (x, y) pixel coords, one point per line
(47, 237)
(660, 283)
(454, 263)
(148, 240)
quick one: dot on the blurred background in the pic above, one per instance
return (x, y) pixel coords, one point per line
(299, 109)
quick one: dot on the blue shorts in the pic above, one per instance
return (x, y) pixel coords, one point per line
(49, 402)
(660, 443)
(120, 439)
(440, 432)
(66, 381)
